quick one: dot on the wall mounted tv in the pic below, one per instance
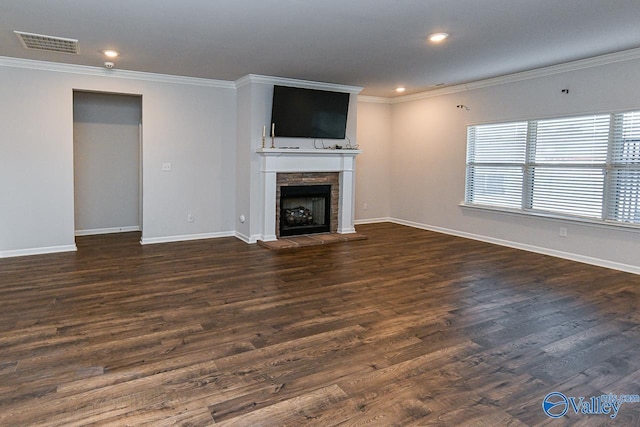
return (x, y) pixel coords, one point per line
(309, 113)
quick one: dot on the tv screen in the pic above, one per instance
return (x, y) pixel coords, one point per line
(309, 113)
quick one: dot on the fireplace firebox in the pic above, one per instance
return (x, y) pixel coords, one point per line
(305, 209)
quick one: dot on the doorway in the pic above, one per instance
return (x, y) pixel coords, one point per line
(107, 135)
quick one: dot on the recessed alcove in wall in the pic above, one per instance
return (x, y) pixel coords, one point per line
(107, 162)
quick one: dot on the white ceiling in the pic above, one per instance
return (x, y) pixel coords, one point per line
(376, 44)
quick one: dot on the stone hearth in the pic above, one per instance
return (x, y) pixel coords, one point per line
(295, 242)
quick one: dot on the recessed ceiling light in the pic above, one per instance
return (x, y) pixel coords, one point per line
(400, 89)
(437, 37)
(111, 53)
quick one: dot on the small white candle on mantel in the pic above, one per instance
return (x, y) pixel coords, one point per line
(273, 130)
(264, 131)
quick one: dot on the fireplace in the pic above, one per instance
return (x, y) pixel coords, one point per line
(307, 203)
(283, 167)
(305, 209)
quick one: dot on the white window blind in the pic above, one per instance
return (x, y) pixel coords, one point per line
(586, 166)
(624, 179)
(570, 191)
(495, 163)
(569, 164)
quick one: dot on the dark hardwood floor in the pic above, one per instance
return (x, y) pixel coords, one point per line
(408, 327)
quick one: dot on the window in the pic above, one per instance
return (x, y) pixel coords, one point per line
(624, 182)
(569, 165)
(586, 166)
(495, 162)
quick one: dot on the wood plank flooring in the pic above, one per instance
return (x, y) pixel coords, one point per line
(407, 328)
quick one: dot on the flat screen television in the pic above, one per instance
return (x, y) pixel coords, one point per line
(309, 113)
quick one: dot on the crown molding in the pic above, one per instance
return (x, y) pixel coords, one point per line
(283, 81)
(374, 99)
(104, 72)
(596, 61)
(626, 55)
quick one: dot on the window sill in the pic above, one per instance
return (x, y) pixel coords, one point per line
(547, 215)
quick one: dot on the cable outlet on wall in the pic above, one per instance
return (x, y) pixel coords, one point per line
(365, 206)
(190, 217)
(562, 232)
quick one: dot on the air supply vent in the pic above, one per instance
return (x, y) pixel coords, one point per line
(48, 43)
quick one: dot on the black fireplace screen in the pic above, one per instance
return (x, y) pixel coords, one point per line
(305, 209)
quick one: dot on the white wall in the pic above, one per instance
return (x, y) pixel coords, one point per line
(106, 157)
(373, 165)
(427, 161)
(187, 122)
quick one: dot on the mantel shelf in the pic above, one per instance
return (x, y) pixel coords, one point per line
(308, 151)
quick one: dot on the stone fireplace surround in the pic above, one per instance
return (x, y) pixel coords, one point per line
(310, 178)
(309, 163)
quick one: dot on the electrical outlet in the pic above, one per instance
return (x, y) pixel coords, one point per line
(190, 217)
(365, 206)
(562, 232)
(166, 167)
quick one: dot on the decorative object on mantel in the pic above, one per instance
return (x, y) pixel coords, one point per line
(264, 134)
(329, 151)
(273, 135)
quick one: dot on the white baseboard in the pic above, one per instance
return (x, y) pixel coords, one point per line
(186, 237)
(372, 220)
(516, 245)
(111, 230)
(347, 230)
(247, 239)
(38, 251)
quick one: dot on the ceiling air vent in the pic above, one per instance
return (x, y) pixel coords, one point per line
(48, 43)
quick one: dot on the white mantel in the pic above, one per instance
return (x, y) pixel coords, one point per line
(287, 160)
